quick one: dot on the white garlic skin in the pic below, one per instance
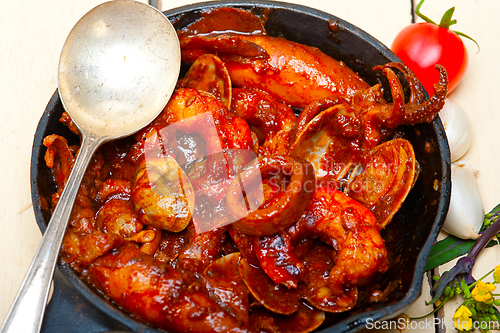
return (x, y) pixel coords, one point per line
(458, 129)
(466, 213)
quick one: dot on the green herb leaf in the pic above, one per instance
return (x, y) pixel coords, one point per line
(465, 288)
(446, 250)
(453, 247)
(450, 248)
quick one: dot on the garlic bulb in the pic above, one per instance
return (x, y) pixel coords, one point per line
(457, 127)
(466, 212)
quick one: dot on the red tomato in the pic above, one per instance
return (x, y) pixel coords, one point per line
(423, 45)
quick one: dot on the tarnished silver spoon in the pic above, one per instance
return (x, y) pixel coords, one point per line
(118, 68)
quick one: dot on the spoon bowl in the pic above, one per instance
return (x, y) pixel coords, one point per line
(118, 68)
(117, 71)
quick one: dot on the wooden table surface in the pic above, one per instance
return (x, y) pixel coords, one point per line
(31, 38)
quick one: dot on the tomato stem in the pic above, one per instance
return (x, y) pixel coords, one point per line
(446, 21)
(422, 16)
(464, 35)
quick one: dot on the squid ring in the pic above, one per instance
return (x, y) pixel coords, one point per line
(279, 212)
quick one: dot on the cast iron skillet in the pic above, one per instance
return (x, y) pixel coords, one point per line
(75, 307)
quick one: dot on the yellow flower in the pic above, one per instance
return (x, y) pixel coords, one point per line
(462, 319)
(482, 292)
(496, 274)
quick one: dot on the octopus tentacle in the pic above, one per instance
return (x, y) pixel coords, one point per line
(280, 211)
(397, 109)
(426, 112)
(416, 90)
(313, 109)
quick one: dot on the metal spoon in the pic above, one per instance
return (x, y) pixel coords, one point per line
(118, 68)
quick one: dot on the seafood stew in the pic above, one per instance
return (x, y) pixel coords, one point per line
(354, 301)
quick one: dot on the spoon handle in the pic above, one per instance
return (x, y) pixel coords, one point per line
(26, 313)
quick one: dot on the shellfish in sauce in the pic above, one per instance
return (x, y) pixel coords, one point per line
(331, 179)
